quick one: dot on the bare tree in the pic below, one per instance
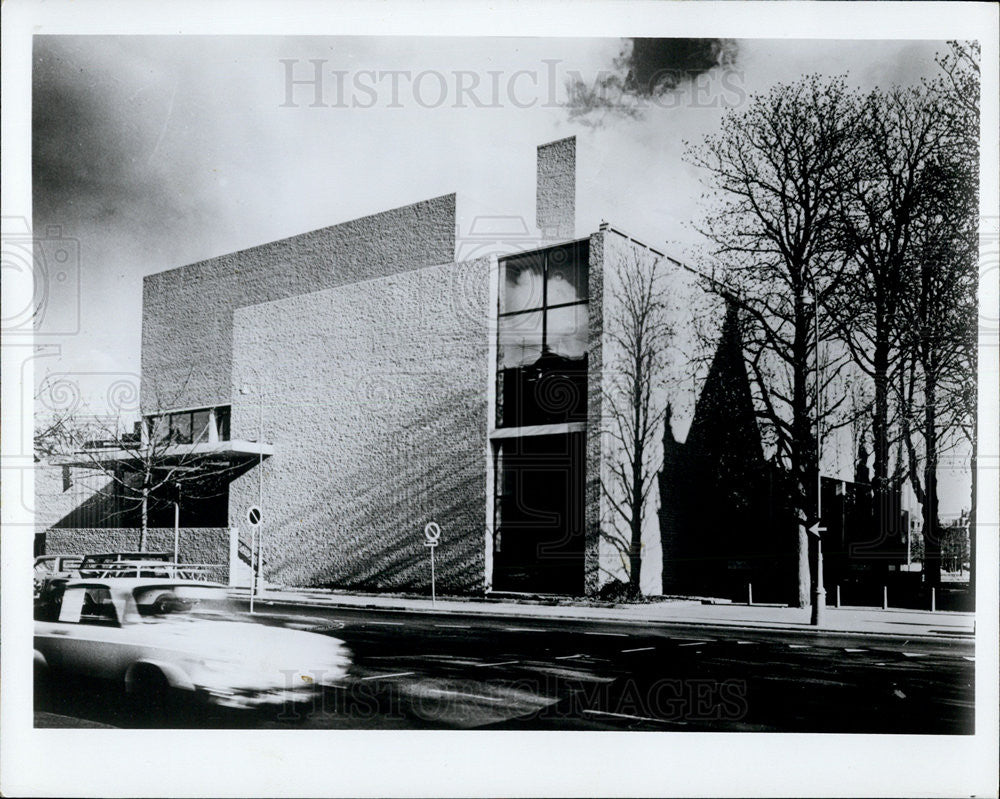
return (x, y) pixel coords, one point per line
(901, 134)
(151, 467)
(959, 89)
(56, 417)
(776, 171)
(939, 311)
(634, 397)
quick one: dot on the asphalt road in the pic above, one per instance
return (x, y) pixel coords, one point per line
(419, 671)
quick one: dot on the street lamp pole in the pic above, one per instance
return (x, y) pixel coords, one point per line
(819, 591)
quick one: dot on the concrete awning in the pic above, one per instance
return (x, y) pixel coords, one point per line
(232, 451)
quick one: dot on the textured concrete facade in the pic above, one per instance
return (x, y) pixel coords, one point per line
(187, 317)
(620, 254)
(197, 544)
(365, 356)
(555, 197)
(374, 397)
(594, 578)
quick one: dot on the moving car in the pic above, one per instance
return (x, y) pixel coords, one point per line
(156, 637)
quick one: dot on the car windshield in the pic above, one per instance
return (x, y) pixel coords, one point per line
(178, 601)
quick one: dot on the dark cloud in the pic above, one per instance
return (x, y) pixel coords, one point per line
(96, 123)
(645, 69)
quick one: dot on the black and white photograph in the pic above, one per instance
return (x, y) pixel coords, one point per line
(605, 403)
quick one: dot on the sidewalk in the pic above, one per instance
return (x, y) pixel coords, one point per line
(871, 621)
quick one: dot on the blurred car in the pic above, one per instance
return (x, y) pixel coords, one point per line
(96, 562)
(54, 567)
(149, 568)
(156, 637)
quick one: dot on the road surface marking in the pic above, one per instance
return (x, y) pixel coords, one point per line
(694, 643)
(502, 663)
(855, 650)
(394, 623)
(746, 642)
(799, 646)
(569, 657)
(968, 658)
(618, 635)
(524, 630)
(457, 626)
(914, 654)
(639, 649)
(470, 696)
(632, 718)
(387, 676)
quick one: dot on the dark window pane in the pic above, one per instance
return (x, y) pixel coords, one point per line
(567, 273)
(199, 426)
(159, 428)
(180, 428)
(552, 390)
(522, 283)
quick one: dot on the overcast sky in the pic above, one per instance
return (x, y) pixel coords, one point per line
(155, 152)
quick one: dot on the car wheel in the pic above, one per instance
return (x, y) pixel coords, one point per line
(149, 696)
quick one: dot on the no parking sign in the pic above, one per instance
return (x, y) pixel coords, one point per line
(432, 532)
(432, 535)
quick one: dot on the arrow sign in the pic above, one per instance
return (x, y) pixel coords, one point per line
(817, 530)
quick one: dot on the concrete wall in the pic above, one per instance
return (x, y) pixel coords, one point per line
(188, 312)
(593, 576)
(555, 193)
(621, 253)
(67, 495)
(197, 544)
(374, 397)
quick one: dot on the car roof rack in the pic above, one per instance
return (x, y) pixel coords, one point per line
(203, 572)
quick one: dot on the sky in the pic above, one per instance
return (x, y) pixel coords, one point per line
(154, 152)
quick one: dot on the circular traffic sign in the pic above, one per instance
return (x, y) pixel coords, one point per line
(432, 532)
(254, 515)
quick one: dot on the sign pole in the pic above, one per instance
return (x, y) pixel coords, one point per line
(254, 516)
(253, 564)
(432, 534)
(433, 592)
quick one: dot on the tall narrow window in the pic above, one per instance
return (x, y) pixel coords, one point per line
(542, 337)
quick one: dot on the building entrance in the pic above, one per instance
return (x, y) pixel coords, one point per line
(539, 540)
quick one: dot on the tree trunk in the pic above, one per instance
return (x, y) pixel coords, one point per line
(802, 443)
(932, 535)
(638, 455)
(145, 519)
(880, 437)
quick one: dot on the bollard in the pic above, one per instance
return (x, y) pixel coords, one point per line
(885, 597)
(749, 593)
(838, 595)
(933, 600)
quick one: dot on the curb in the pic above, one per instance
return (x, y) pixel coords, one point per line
(966, 637)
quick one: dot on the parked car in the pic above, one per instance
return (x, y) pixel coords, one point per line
(97, 561)
(156, 637)
(151, 568)
(54, 567)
